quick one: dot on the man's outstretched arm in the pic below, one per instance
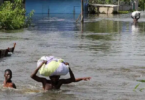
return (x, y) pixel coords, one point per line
(73, 79)
(84, 78)
(138, 17)
(35, 77)
(69, 80)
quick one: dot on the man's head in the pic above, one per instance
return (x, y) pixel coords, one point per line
(8, 74)
(54, 78)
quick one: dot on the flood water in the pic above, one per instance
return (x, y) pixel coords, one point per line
(108, 48)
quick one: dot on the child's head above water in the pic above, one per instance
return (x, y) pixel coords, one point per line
(8, 82)
(8, 74)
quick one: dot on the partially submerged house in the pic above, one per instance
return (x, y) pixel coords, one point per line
(55, 6)
(104, 8)
(114, 6)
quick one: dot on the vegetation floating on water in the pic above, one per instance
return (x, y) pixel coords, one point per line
(141, 89)
(136, 87)
(141, 80)
(124, 12)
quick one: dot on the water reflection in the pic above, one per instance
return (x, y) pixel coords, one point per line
(53, 95)
(82, 27)
(138, 29)
(54, 22)
(135, 29)
(103, 26)
(100, 23)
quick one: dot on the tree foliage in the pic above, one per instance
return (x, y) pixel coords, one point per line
(142, 4)
(12, 15)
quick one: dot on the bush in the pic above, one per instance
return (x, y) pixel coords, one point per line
(124, 12)
(12, 15)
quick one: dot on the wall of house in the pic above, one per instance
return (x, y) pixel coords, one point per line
(53, 6)
(1, 1)
(107, 10)
(125, 7)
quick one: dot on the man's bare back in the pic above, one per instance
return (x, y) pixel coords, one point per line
(47, 85)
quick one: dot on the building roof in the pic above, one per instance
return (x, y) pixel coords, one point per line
(103, 5)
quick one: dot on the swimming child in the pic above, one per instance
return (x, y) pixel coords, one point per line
(55, 82)
(8, 82)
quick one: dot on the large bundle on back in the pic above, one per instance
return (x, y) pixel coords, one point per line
(135, 14)
(54, 66)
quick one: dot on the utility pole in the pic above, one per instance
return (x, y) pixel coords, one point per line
(82, 10)
(136, 4)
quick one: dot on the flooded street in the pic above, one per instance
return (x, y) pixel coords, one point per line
(108, 48)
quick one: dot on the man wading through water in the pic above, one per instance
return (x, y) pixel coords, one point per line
(135, 16)
(55, 82)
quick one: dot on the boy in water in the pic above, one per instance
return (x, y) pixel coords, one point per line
(55, 82)
(8, 82)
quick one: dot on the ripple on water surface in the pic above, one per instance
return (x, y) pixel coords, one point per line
(107, 48)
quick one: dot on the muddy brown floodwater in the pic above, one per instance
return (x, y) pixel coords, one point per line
(107, 48)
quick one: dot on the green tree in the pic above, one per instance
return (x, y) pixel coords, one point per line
(12, 15)
(142, 4)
